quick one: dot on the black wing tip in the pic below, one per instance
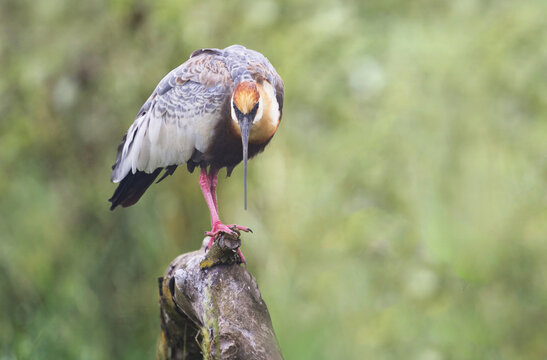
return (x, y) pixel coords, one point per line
(122, 204)
(132, 187)
(118, 199)
(114, 203)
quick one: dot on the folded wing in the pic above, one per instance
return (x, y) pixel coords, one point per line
(176, 120)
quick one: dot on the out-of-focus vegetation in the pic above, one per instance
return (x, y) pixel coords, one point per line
(399, 213)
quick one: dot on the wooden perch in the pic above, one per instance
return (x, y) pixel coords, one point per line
(211, 305)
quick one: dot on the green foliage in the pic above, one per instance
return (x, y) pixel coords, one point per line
(399, 213)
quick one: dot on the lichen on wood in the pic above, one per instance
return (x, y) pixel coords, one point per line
(211, 308)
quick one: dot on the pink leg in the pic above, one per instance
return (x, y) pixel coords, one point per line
(212, 177)
(208, 184)
(213, 182)
(205, 185)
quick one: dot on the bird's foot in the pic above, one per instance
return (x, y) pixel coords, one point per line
(239, 228)
(233, 229)
(219, 227)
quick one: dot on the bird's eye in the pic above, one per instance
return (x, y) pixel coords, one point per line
(236, 109)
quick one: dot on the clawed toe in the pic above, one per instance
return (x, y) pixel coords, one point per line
(219, 228)
(240, 228)
(241, 257)
(232, 229)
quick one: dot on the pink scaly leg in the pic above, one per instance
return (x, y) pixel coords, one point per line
(208, 184)
(216, 224)
(212, 178)
(213, 182)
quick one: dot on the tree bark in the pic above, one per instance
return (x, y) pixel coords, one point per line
(211, 308)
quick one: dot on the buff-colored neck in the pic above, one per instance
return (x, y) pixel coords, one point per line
(263, 129)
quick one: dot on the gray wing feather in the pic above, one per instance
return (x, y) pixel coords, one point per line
(177, 118)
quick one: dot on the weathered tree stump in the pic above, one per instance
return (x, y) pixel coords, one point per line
(211, 308)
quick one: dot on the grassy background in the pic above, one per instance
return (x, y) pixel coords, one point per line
(399, 213)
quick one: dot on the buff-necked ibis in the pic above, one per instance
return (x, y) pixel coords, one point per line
(218, 108)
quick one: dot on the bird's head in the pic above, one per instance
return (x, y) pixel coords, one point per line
(255, 117)
(246, 108)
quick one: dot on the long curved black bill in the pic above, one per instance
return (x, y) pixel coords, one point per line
(245, 126)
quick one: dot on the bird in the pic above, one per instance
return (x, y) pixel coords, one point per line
(217, 109)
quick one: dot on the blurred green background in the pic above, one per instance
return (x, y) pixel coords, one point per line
(399, 213)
